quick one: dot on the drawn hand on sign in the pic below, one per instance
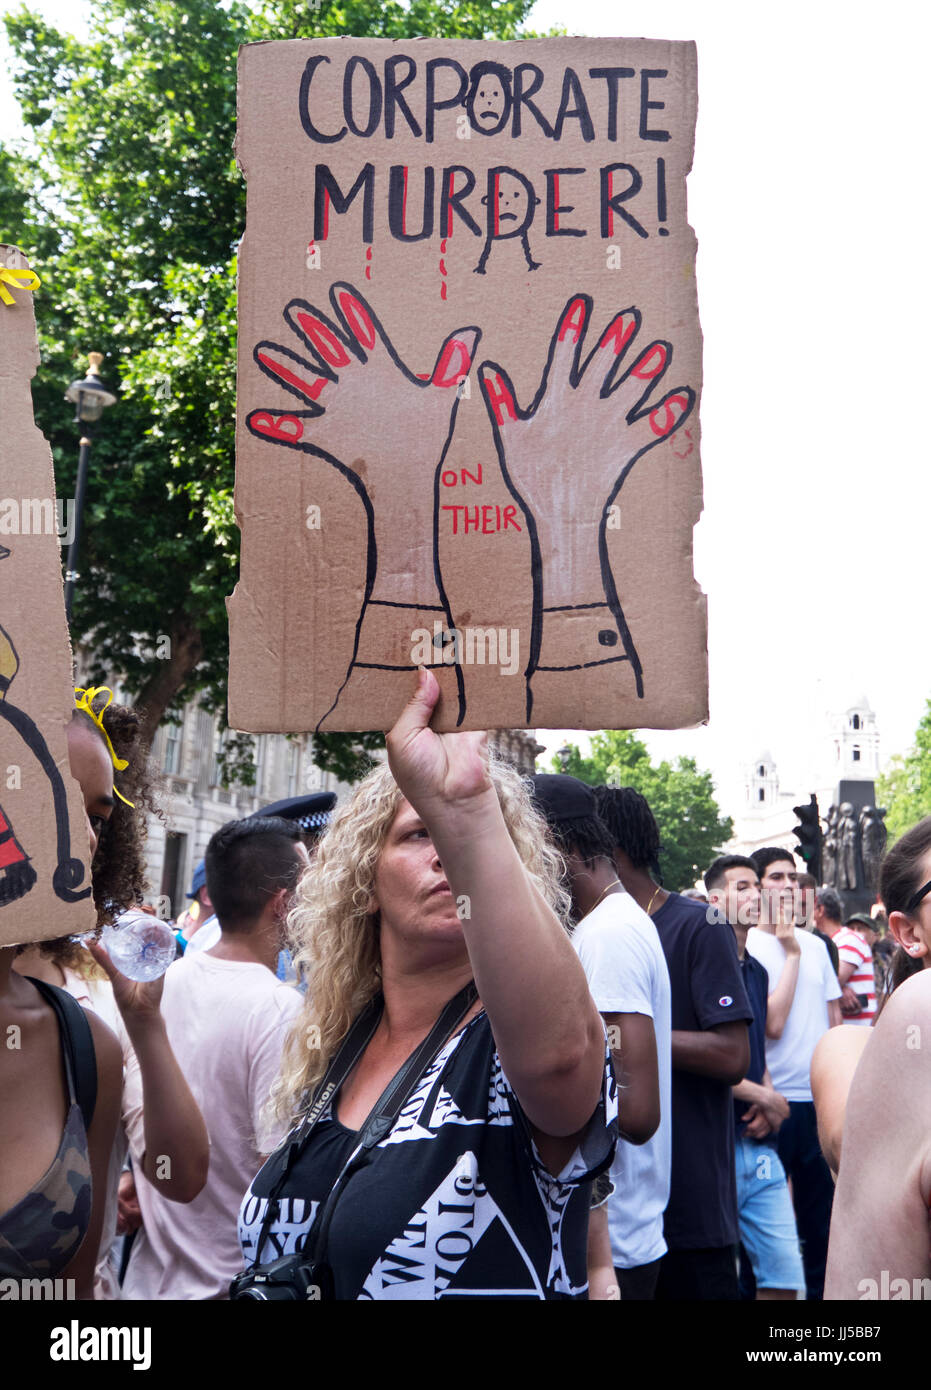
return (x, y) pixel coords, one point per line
(367, 413)
(578, 623)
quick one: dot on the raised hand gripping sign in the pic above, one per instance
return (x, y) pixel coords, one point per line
(469, 374)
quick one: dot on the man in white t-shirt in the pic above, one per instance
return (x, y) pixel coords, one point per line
(227, 1017)
(791, 1039)
(629, 981)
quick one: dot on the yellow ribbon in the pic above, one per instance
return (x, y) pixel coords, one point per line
(23, 279)
(84, 698)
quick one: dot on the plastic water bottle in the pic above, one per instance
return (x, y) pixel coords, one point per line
(141, 946)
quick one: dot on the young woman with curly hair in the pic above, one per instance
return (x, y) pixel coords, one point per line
(435, 874)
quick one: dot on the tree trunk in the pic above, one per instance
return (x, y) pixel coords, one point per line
(186, 651)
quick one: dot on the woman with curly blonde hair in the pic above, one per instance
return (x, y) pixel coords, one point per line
(438, 873)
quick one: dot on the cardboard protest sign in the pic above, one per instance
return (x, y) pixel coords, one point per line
(44, 876)
(469, 373)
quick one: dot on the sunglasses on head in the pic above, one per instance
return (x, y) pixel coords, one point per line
(916, 898)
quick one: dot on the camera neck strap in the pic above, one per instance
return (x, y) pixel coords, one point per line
(384, 1112)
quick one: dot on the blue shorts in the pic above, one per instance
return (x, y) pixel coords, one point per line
(766, 1217)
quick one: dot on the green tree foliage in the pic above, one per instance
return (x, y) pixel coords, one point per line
(131, 216)
(680, 796)
(905, 786)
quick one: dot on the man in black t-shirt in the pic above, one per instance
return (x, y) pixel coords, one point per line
(710, 1054)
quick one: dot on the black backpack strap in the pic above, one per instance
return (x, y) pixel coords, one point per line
(77, 1045)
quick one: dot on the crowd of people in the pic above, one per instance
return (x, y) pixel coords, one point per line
(452, 1038)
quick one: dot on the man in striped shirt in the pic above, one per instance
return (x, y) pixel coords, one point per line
(855, 968)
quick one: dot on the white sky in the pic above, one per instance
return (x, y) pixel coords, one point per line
(806, 195)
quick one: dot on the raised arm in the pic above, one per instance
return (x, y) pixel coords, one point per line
(780, 1001)
(177, 1150)
(548, 1033)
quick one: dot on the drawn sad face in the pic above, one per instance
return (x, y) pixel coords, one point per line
(489, 100)
(513, 204)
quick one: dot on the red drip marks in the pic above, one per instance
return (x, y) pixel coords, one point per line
(443, 270)
(368, 268)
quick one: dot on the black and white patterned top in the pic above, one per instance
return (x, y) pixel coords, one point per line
(455, 1202)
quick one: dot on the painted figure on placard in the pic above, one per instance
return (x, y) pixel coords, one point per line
(510, 204)
(17, 875)
(595, 407)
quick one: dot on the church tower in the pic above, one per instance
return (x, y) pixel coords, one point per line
(761, 785)
(855, 743)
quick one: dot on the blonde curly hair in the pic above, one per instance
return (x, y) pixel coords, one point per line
(334, 934)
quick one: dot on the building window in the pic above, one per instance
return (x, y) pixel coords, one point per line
(294, 768)
(762, 795)
(171, 763)
(855, 722)
(217, 774)
(762, 770)
(856, 754)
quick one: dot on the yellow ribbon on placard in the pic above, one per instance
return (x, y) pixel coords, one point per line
(22, 279)
(84, 698)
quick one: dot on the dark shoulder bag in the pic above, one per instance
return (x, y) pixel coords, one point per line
(307, 1274)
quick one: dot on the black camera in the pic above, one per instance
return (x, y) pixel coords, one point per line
(292, 1279)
